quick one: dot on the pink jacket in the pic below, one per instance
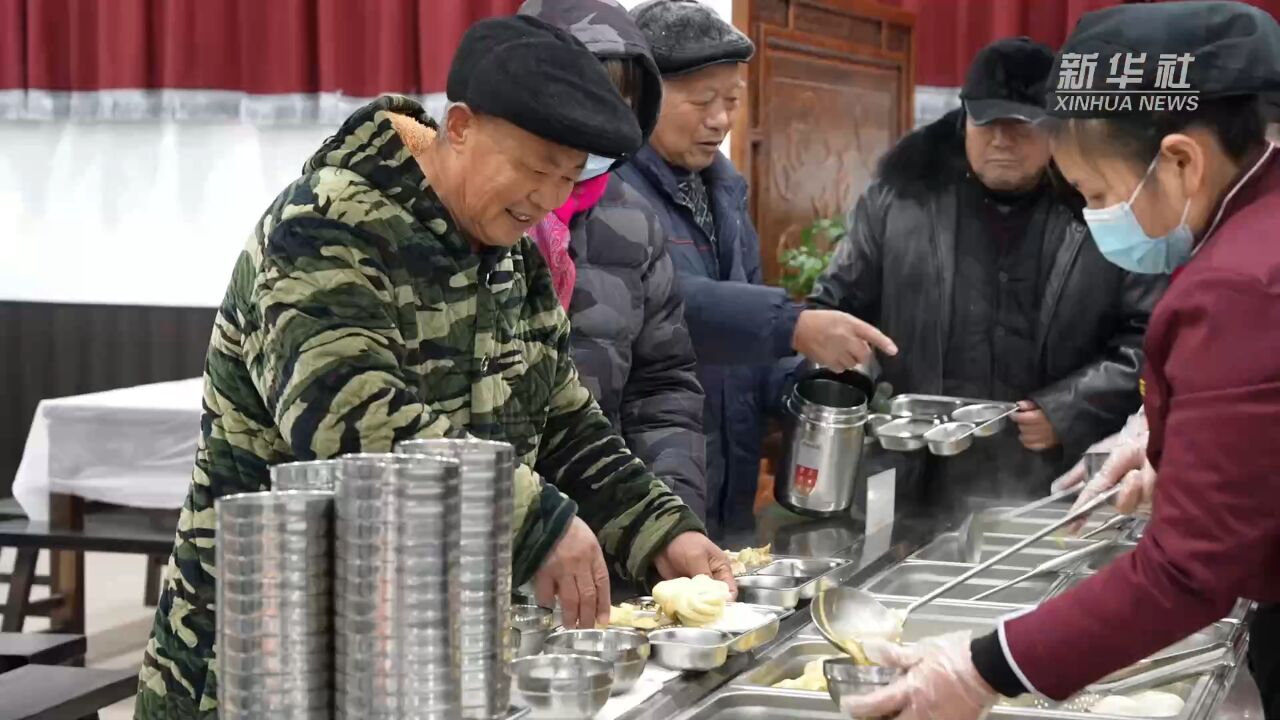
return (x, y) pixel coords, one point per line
(552, 236)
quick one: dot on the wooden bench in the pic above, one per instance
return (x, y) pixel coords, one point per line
(69, 534)
(54, 692)
(18, 649)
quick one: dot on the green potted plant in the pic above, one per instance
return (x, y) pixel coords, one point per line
(804, 262)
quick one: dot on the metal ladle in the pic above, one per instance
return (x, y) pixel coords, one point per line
(845, 604)
(1053, 565)
(1117, 522)
(973, 528)
(1067, 559)
(1037, 504)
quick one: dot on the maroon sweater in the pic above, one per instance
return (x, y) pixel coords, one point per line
(1213, 407)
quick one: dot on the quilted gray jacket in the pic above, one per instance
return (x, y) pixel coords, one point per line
(630, 342)
(629, 339)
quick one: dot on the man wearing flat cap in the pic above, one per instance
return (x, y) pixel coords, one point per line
(744, 332)
(390, 293)
(963, 253)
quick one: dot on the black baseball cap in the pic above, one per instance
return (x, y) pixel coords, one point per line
(1212, 49)
(1007, 81)
(543, 80)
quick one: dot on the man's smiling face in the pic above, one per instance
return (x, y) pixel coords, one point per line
(512, 178)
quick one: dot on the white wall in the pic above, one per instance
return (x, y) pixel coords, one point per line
(150, 213)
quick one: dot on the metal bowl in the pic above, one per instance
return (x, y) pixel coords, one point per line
(950, 438)
(690, 648)
(904, 434)
(566, 687)
(845, 678)
(775, 590)
(533, 624)
(626, 649)
(984, 413)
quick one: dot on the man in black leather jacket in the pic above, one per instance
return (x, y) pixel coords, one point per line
(980, 270)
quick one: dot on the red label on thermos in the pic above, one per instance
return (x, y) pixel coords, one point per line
(806, 479)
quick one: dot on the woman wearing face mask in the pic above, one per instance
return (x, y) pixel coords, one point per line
(1195, 194)
(607, 254)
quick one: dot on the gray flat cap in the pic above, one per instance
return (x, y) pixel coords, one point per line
(686, 35)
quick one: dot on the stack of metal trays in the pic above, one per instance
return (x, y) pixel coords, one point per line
(274, 600)
(305, 476)
(484, 580)
(396, 552)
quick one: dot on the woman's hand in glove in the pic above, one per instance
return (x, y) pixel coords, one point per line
(1127, 466)
(940, 683)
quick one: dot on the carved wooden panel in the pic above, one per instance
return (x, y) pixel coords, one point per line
(831, 90)
(825, 126)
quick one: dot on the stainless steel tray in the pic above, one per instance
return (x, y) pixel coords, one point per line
(763, 633)
(939, 407)
(930, 410)
(740, 642)
(756, 704)
(759, 705)
(946, 548)
(917, 579)
(993, 519)
(788, 661)
(935, 619)
(1222, 631)
(788, 580)
(978, 618)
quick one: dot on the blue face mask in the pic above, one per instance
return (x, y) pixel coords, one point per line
(1121, 239)
(595, 167)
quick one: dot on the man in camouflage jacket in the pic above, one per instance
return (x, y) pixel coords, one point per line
(359, 315)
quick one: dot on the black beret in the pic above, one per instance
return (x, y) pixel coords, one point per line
(1007, 80)
(1164, 57)
(686, 35)
(545, 81)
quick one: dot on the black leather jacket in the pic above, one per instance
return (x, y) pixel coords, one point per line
(895, 269)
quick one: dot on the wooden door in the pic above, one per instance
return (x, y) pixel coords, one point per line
(831, 90)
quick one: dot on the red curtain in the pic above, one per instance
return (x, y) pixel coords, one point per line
(352, 48)
(12, 45)
(950, 32)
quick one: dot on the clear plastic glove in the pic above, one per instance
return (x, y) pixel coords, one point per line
(1127, 466)
(1134, 432)
(941, 682)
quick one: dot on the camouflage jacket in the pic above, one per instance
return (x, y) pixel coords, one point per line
(630, 343)
(358, 316)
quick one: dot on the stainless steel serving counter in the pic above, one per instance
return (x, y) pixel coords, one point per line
(793, 536)
(728, 693)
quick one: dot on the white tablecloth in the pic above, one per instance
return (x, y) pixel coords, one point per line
(133, 446)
